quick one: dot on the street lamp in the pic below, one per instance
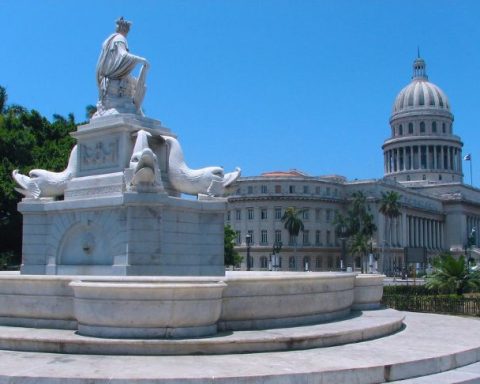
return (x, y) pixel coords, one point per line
(248, 240)
(277, 246)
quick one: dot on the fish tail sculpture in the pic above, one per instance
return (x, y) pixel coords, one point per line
(42, 183)
(210, 181)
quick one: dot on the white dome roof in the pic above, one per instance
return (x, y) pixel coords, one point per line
(420, 93)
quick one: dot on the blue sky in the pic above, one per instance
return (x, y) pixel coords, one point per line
(265, 85)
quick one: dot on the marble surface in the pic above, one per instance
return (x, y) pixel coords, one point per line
(420, 349)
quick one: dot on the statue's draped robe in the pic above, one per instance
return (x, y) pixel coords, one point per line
(114, 63)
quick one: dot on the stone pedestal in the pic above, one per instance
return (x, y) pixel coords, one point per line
(105, 227)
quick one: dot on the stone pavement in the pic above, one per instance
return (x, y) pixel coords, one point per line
(429, 344)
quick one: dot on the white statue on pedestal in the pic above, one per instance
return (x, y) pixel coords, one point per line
(119, 92)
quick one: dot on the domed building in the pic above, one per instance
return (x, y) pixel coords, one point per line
(423, 165)
(422, 147)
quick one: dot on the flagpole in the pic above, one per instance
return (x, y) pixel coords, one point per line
(471, 177)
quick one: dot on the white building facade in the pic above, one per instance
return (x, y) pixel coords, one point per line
(423, 164)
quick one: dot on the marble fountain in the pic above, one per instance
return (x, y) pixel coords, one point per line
(117, 262)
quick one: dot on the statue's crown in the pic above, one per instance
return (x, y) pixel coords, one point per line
(123, 25)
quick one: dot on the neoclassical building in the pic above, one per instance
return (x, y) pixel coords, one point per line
(422, 163)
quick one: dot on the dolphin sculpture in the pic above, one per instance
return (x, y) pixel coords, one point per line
(42, 183)
(143, 161)
(210, 181)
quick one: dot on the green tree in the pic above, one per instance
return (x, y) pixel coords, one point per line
(293, 223)
(359, 225)
(452, 275)
(27, 141)
(90, 110)
(231, 255)
(390, 208)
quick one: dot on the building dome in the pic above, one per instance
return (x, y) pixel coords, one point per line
(420, 93)
(422, 147)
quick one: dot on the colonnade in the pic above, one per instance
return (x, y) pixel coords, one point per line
(423, 232)
(441, 157)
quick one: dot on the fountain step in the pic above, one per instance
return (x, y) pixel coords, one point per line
(359, 326)
(469, 374)
(428, 345)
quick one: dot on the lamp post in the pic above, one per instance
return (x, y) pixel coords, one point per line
(343, 238)
(277, 246)
(470, 244)
(248, 240)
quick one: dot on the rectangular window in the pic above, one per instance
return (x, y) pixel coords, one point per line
(278, 189)
(306, 237)
(306, 213)
(328, 191)
(318, 263)
(228, 215)
(264, 236)
(278, 213)
(291, 189)
(264, 189)
(318, 190)
(329, 238)
(318, 214)
(263, 214)
(306, 189)
(238, 214)
(250, 214)
(278, 236)
(291, 262)
(318, 237)
(250, 234)
(238, 239)
(249, 189)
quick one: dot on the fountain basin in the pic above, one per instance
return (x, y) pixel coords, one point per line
(136, 309)
(368, 292)
(261, 300)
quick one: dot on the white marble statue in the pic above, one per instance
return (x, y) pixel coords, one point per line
(210, 181)
(42, 183)
(143, 162)
(119, 91)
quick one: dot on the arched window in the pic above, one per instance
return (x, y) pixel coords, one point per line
(400, 130)
(422, 127)
(410, 128)
(443, 128)
(434, 127)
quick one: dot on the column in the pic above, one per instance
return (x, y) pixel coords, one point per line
(435, 157)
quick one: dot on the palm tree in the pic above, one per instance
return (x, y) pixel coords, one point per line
(293, 223)
(390, 209)
(452, 275)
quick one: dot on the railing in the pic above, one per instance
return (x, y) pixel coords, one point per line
(434, 304)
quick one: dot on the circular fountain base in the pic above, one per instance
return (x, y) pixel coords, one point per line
(359, 326)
